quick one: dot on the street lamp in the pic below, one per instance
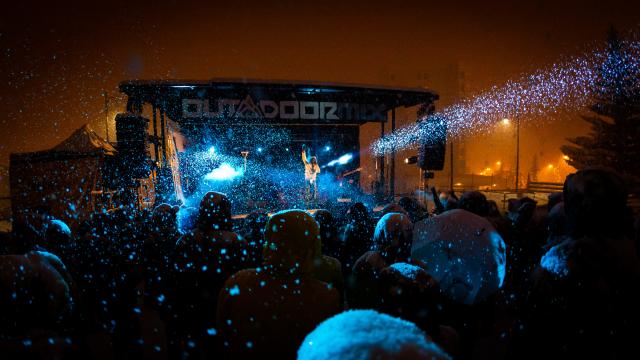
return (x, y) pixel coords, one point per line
(507, 122)
(517, 152)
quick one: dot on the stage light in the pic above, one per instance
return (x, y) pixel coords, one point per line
(411, 160)
(550, 166)
(327, 148)
(565, 157)
(498, 163)
(259, 149)
(224, 172)
(212, 150)
(344, 159)
(505, 121)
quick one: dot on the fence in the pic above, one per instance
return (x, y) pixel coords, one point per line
(542, 187)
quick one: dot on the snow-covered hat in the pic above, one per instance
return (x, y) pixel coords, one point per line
(367, 334)
(463, 252)
(392, 229)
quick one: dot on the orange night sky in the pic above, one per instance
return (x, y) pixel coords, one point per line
(57, 59)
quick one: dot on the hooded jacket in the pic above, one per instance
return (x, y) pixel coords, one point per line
(326, 268)
(356, 236)
(35, 291)
(271, 308)
(204, 259)
(391, 243)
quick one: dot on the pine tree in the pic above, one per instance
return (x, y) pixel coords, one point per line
(614, 139)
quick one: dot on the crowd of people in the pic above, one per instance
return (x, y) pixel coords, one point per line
(559, 280)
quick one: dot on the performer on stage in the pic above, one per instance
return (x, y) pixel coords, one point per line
(311, 171)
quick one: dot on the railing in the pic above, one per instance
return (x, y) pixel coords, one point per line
(548, 187)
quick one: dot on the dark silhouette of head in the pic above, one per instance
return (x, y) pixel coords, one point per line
(475, 202)
(255, 224)
(164, 219)
(595, 203)
(328, 230)
(556, 221)
(358, 213)
(553, 200)
(215, 212)
(412, 207)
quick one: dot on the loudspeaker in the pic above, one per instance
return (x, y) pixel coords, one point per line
(133, 156)
(433, 143)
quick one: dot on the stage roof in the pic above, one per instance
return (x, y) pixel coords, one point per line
(282, 101)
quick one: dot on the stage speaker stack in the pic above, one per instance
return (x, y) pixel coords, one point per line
(433, 144)
(133, 156)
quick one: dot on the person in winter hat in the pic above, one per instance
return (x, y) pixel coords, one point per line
(367, 334)
(584, 300)
(391, 244)
(268, 310)
(204, 259)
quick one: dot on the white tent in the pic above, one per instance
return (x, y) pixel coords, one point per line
(68, 178)
(85, 140)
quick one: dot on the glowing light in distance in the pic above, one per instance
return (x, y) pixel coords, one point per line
(411, 160)
(550, 166)
(327, 148)
(506, 121)
(565, 157)
(344, 159)
(259, 149)
(224, 172)
(212, 150)
(498, 163)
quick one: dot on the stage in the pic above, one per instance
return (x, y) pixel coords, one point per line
(244, 138)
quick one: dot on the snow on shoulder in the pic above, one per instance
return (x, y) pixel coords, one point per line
(407, 270)
(367, 334)
(555, 261)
